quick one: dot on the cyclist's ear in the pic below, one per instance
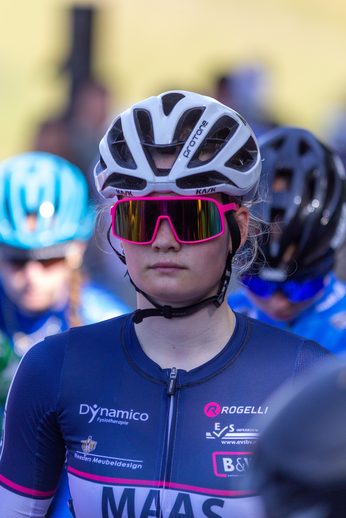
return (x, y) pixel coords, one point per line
(75, 253)
(242, 217)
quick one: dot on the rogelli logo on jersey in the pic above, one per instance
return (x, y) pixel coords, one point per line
(212, 409)
(111, 415)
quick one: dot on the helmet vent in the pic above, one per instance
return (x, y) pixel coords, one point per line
(310, 189)
(243, 159)
(282, 180)
(162, 158)
(116, 132)
(102, 163)
(124, 181)
(275, 230)
(144, 126)
(277, 215)
(9, 213)
(217, 138)
(277, 144)
(169, 101)
(187, 123)
(201, 180)
(100, 166)
(303, 147)
(118, 146)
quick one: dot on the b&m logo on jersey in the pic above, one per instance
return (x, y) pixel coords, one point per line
(231, 464)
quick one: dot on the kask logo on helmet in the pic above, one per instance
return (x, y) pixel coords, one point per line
(194, 139)
(119, 192)
(209, 190)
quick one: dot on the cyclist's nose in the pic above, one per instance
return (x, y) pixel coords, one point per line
(165, 238)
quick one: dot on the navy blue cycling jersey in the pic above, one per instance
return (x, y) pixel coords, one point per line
(139, 440)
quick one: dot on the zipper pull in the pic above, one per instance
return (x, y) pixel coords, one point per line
(172, 382)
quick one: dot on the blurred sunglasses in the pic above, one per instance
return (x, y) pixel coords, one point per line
(192, 219)
(22, 262)
(295, 291)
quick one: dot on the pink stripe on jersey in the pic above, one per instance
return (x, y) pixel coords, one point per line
(110, 480)
(208, 491)
(26, 490)
(169, 485)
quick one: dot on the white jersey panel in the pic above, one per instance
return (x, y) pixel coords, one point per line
(13, 505)
(110, 501)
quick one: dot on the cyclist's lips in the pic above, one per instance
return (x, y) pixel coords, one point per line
(166, 266)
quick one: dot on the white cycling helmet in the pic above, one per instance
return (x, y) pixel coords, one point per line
(214, 149)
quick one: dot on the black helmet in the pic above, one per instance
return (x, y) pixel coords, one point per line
(300, 459)
(303, 184)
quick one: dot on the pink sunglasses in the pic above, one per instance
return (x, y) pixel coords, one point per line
(192, 219)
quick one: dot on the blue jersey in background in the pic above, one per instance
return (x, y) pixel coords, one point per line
(324, 321)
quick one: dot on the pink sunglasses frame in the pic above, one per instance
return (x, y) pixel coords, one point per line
(221, 208)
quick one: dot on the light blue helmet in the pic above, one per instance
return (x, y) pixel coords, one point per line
(43, 205)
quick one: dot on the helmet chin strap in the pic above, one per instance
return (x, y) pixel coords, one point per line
(169, 312)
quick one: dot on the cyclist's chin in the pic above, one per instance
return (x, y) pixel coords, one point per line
(283, 316)
(35, 304)
(178, 295)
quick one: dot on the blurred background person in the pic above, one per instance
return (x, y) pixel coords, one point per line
(246, 88)
(299, 464)
(45, 224)
(76, 134)
(46, 220)
(292, 284)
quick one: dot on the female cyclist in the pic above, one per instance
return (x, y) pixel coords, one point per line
(294, 286)
(151, 410)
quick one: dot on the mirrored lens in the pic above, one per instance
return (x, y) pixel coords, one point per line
(295, 291)
(21, 263)
(192, 219)
(259, 287)
(135, 220)
(195, 220)
(305, 290)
